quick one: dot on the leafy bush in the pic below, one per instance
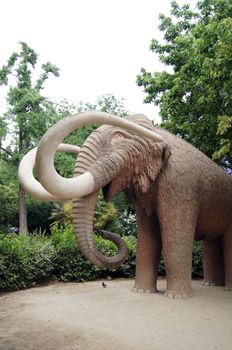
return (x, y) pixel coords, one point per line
(28, 259)
(69, 264)
(24, 260)
(38, 215)
(105, 214)
(127, 269)
(197, 268)
(8, 206)
(38, 212)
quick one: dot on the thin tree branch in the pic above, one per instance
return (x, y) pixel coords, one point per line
(6, 151)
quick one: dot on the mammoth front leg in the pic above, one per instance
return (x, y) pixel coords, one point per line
(177, 233)
(147, 253)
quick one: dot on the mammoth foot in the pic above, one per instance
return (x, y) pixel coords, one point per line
(142, 290)
(228, 288)
(212, 283)
(206, 284)
(173, 295)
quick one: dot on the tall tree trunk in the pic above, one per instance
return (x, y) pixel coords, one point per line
(22, 198)
(22, 211)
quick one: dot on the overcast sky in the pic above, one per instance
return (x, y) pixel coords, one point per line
(99, 45)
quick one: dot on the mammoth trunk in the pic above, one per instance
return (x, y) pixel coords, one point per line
(83, 215)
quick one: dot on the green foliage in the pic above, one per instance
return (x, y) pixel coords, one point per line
(8, 207)
(69, 264)
(127, 269)
(105, 214)
(225, 130)
(3, 130)
(117, 216)
(24, 261)
(194, 95)
(127, 222)
(110, 104)
(38, 212)
(197, 268)
(8, 172)
(61, 213)
(29, 259)
(28, 117)
(104, 217)
(29, 113)
(38, 215)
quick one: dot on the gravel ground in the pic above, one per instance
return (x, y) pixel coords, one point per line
(87, 316)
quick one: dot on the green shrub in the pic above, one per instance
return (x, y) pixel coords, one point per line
(69, 264)
(104, 217)
(127, 269)
(127, 223)
(28, 259)
(24, 260)
(197, 268)
(8, 206)
(105, 214)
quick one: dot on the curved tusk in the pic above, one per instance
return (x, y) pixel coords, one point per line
(83, 184)
(26, 177)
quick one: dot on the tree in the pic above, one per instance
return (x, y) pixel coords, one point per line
(39, 213)
(194, 94)
(29, 113)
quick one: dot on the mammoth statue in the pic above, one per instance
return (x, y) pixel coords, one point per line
(179, 195)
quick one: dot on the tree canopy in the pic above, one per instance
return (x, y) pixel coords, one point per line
(194, 92)
(32, 113)
(28, 113)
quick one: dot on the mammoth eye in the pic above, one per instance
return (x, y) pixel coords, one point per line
(117, 136)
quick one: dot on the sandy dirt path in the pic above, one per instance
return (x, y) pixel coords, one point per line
(86, 316)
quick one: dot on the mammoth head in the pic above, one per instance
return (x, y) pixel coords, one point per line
(125, 159)
(121, 153)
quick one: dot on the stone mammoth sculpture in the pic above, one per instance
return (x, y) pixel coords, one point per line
(179, 195)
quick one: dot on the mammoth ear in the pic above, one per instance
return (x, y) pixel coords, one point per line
(155, 161)
(160, 154)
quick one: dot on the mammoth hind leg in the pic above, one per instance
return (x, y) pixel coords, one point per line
(213, 262)
(227, 244)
